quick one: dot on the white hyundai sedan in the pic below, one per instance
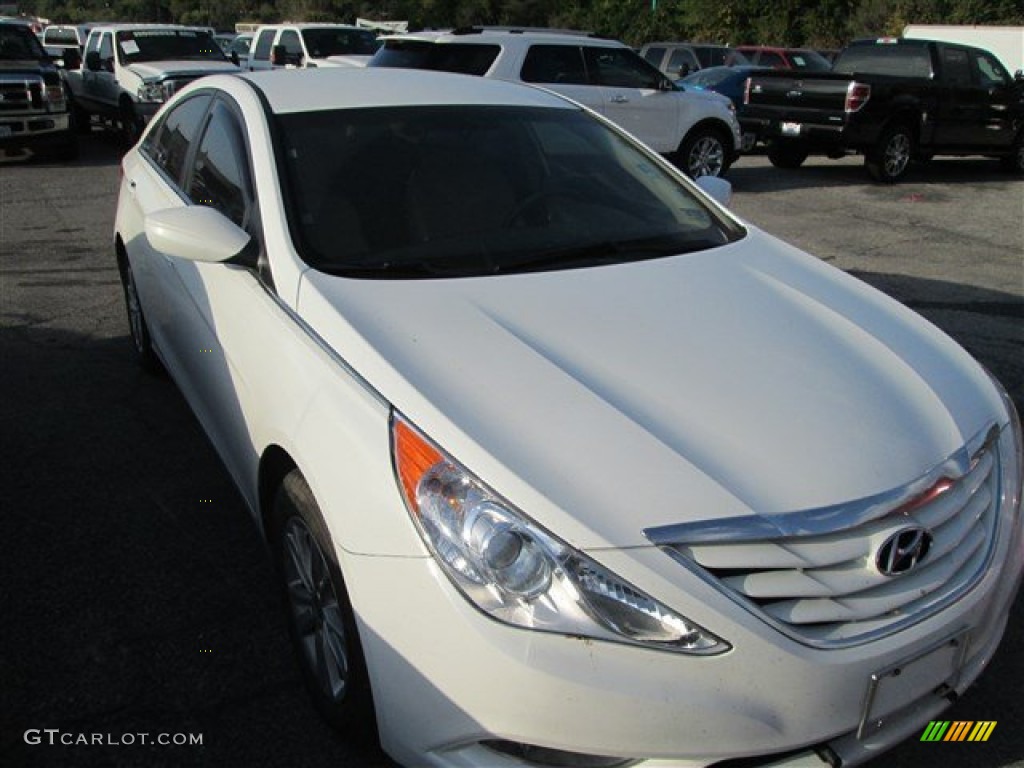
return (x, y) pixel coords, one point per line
(562, 463)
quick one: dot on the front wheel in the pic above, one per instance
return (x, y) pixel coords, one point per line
(131, 126)
(704, 152)
(141, 342)
(890, 158)
(1014, 162)
(787, 154)
(321, 621)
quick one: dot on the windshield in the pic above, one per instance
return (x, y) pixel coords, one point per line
(17, 43)
(477, 190)
(167, 44)
(328, 41)
(461, 58)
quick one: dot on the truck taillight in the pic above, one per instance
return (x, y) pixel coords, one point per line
(746, 91)
(857, 95)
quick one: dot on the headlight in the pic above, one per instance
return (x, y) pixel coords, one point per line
(518, 573)
(154, 91)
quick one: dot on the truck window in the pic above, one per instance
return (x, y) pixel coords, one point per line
(885, 59)
(955, 68)
(554, 64)
(654, 55)
(990, 72)
(679, 58)
(263, 45)
(292, 45)
(107, 49)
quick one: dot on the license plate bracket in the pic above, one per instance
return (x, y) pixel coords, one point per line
(935, 670)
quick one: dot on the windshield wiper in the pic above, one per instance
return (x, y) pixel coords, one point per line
(603, 252)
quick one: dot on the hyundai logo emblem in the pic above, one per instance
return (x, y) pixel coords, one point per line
(903, 550)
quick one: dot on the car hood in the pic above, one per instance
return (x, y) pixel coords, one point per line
(346, 60)
(157, 69)
(747, 379)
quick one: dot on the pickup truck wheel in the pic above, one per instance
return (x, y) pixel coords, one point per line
(131, 127)
(703, 153)
(787, 154)
(889, 160)
(1014, 162)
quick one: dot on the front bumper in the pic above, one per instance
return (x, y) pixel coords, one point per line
(34, 130)
(446, 679)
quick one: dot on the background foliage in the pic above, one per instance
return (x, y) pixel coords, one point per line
(819, 23)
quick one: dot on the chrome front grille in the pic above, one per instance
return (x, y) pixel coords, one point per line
(20, 96)
(828, 587)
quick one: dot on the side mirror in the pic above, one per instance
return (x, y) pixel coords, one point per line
(92, 61)
(278, 56)
(234, 59)
(72, 58)
(1019, 76)
(196, 233)
(717, 189)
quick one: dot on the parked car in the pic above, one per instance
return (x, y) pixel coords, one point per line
(307, 46)
(238, 49)
(697, 129)
(555, 453)
(677, 60)
(58, 38)
(34, 109)
(730, 82)
(800, 59)
(894, 101)
(130, 70)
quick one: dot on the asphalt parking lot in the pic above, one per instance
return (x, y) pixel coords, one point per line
(136, 598)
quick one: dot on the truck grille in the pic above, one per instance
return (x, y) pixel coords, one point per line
(17, 96)
(905, 555)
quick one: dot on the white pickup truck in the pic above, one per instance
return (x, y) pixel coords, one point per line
(130, 70)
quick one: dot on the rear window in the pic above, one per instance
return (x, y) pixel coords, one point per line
(809, 61)
(461, 58)
(331, 41)
(885, 59)
(63, 36)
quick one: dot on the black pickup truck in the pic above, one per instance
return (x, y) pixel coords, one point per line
(895, 101)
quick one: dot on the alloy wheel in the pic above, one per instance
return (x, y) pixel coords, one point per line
(315, 610)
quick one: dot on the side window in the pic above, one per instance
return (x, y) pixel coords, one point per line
(559, 64)
(263, 45)
(220, 176)
(292, 45)
(955, 67)
(655, 55)
(621, 68)
(682, 62)
(771, 59)
(176, 135)
(93, 43)
(990, 72)
(107, 50)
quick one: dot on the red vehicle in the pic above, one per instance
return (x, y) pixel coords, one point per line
(803, 59)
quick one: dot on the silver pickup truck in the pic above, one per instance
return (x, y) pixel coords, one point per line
(34, 110)
(130, 70)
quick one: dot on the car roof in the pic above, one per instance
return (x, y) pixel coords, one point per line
(507, 37)
(120, 26)
(288, 91)
(310, 25)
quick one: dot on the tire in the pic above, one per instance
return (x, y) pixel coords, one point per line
(68, 150)
(1014, 162)
(787, 154)
(320, 617)
(704, 152)
(138, 330)
(890, 158)
(130, 125)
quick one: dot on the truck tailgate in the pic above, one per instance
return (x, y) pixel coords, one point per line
(814, 99)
